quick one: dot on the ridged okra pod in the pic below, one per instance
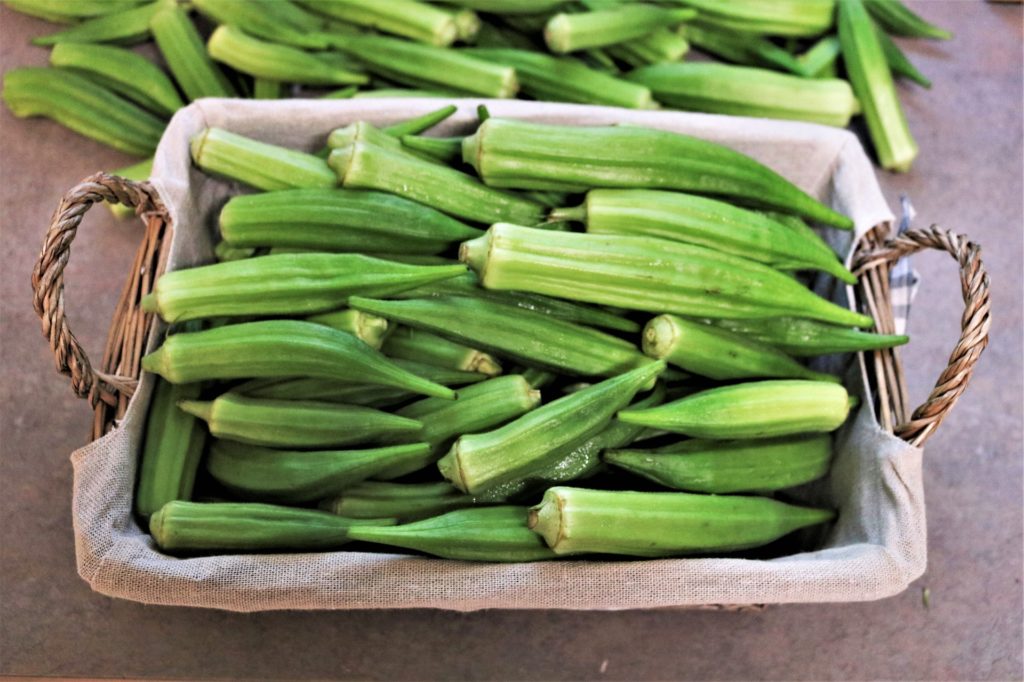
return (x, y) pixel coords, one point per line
(402, 501)
(719, 354)
(211, 527)
(68, 11)
(124, 27)
(406, 343)
(224, 252)
(660, 45)
(299, 476)
(749, 91)
(280, 22)
(795, 18)
(706, 222)
(565, 79)
(171, 449)
(529, 337)
(741, 48)
(307, 388)
(369, 329)
(478, 462)
(579, 521)
(258, 164)
(183, 51)
(871, 78)
(895, 17)
(128, 74)
(407, 18)
(643, 273)
(807, 338)
(421, 123)
(284, 284)
(80, 104)
(298, 423)
(280, 348)
(364, 166)
(713, 466)
(819, 61)
(478, 534)
(339, 220)
(264, 59)
(445, 149)
(579, 31)
(899, 63)
(513, 7)
(524, 155)
(758, 409)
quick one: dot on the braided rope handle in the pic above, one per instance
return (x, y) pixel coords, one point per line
(48, 278)
(974, 322)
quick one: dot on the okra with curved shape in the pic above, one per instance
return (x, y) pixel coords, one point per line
(325, 390)
(525, 155)
(280, 348)
(258, 164)
(497, 534)
(183, 51)
(407, 18)
(794, 18)
(581, 521)
(419, 124)
(299, 476)
(899, 63)
(742, 48)
(124, 27)
(736, 466)
(402, 501)
(808, 338)
(896, 18)
(757, 409)
(643, 273)
(579, 31)
(406, 343)
(483, 461)
(340, 220)
(279, 22)
(69, 11)
(819, 61)
(264, 59)
(82, 105)
(524, 335)
(369, 329)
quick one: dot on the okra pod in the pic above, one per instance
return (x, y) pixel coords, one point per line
(364, 166)
(895, 17)
(183, 51)
(266, 89)
(572, 32)
(339, 220)
(445, 149)
(513, 7)
(523, 155)
(660, 45)
(819, 61)
(467, 24)
(807, 338)
(538, 378)
(285, 284)
(128, 74)
(478, 534)
(299, 476)
(80, 104)
(527, 336)
(384, 93)
(247, 527)
(280, 348)
(705, 222)
(899, 63)
(278, 21)
(419, 124)
(272, 61)
(577, 521)
(794, 18)
(478, 462)
(403, 501)
(369, 329)
(643, 273)
(565, 79)
(407, 18)
(325, 390)
(224, 252)
(872, 81)
(741, 48)
(126, 27)
(758, 409)
(712, 466)
(441, 375)
(406, 343)
(344, 93)
(258, 164)
(69, 11)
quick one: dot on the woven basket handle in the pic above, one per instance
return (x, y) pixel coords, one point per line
(974, 322)
(48, 276)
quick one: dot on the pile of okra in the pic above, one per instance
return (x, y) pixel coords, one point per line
(528, 342)
(823, 61)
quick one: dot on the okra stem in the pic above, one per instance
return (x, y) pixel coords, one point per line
(419, 124)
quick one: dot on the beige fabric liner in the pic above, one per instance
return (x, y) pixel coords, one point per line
(874, 550)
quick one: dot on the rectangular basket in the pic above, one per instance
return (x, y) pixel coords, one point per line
(875, 549)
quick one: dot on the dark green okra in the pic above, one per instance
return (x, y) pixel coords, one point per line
(741, 48)
(258, 164)
(513, 7)
(369, 329)
(579, 521)
(185, 55)
(807, 338)
(524, 155)
(284, 284)
(418, 124)
(124, 27)
(297, 477)
(280, 348)
(280, 22)
(69, 11)
(737, 466)
(403, 501)
(896, 18)
(325, 390)
(339, 220)
(445, 149)
(477, 534)
(578, 31)
(406, 343)
(899, 63)
(270, 60)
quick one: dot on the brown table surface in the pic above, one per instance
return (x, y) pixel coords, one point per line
(967, 178)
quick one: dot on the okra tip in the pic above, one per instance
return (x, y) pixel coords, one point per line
(197, 143)
(198, 408)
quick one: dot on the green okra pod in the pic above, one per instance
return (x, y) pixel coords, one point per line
(299, 476)
(705, 222)
(578, 521)
(713, 466)
(899, 63)
(344, 93)
(406, 343)
(446, 149)
(795, 18)
(284, 284)
(482, 461)
(419, 124)
(441, 375)
(403, 501)
(477, 534)
(407, 18)
(69, 11)
(224, 252)
(364, 166)
(467, 24)
(369, 329)
(571, 32)
(386, 93)
(538, 378)
(183, 51)
(80, 104)
(895, 17)
(279, 21)
(258, 164)
(247, 527)
(513, 7)
(660, 45)
(643, 273)
(264, 59)
(718, 353)
(126, 27)
(524, 155)
(757, 409)
(339, 220)
(819, 61)
(280, 348)
(527, 336)
(267, 89)
(742, 48)
(128, 74)
(807, 338)
(325, 390)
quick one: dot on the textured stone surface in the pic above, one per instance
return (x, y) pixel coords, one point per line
(967, 178)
